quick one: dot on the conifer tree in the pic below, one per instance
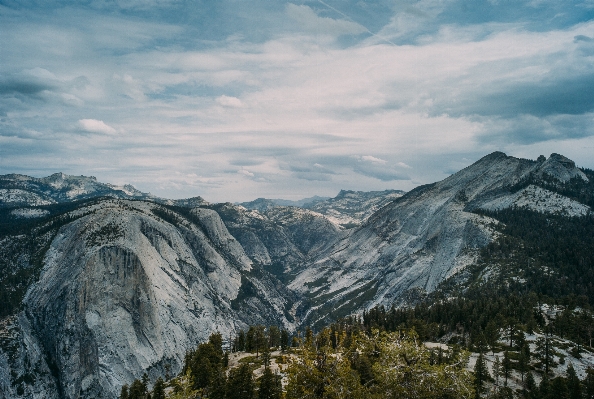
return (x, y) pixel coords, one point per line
(530, 384)
(124, 392)
(137, 390)
(240, 347)
(559, 389)
(589, 383)
(573, 383)
(284, 340)
(159, 389)
(241, 383)
(497, 371)
(274, 336)
(507, 366)
(218, 387)
(270, 385)
(481, 375)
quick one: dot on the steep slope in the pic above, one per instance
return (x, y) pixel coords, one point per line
(280, 238)
(351, 208)
(129, 287)
(415, 242)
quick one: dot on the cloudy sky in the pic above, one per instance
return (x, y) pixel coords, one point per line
(235, 99)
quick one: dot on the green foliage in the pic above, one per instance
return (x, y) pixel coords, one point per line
(241, 383)
(481, 375)
(380, 365)
(270, 386)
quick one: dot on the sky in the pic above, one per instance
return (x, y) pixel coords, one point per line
(233, 100)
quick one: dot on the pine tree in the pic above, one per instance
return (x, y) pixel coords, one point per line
(497, 371)
(137, 390)
(218, 387)
(544, 388)
(530, 384)
(589, 383)
(274, 336)
(270, 385)
(524, 359)
(559, 389)
(159, 389)
(507, 366)
(241, 383)
(240, 341)
(284, 340)
(124, 392)
(573, 383)
(481, 375)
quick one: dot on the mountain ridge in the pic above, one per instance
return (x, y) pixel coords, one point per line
(164, 274)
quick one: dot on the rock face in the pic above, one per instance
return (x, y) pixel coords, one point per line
(415, 242)
(129, 287)
(351, 208)
(280, 237)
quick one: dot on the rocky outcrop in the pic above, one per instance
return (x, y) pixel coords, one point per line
(129, 287)
(415, 242)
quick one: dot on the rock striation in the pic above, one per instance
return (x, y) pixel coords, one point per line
(417, 241)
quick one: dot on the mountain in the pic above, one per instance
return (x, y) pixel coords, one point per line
(263, 204)
(351, 208)
(128, 287)
(279, 238)
(100, 284)
(26, 191)
(412, 244)
(348, 209)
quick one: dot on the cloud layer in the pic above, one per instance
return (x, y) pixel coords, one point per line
(238, 100)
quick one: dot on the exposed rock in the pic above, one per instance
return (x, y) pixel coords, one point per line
(124, 291)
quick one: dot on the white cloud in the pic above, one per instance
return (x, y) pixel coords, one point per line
(191, 104)
(372, 159)
(227, 101)
(95, 126)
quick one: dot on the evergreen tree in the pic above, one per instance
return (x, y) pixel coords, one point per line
(216, 340)
(530, 384)
(241, 383)
(270, 385)
(184, 387)
(492, 335)
(159, 389)
(260, 339)
(481, 375)
(544, 352)
(573, 383)
(240, 347)
(249, 339)
(589, 383)
(137, 390)
(497, 371)
(274, 336)
(559, 389)
(524, 359)
(124, 392)
(218, 387)
(507, 366)
(284, 340)
(544, 389)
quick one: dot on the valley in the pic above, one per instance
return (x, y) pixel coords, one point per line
(100, 284)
